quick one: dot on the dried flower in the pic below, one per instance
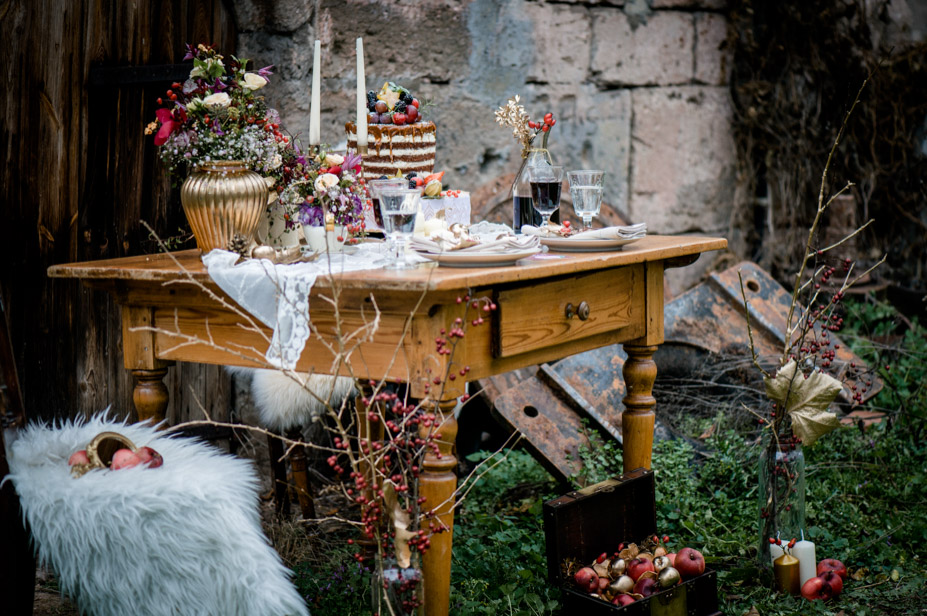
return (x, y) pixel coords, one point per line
(513, 115)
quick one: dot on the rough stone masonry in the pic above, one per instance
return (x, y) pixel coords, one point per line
(639, 88)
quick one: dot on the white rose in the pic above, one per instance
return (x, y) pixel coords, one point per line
(194, 104)
(326, 181)
(253, 81)
(276, 161)
(333, 159)
(219, 99)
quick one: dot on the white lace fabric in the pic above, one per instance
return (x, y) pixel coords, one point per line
(278, 295)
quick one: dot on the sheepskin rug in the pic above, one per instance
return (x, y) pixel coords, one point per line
(182, 539)
(284, 402)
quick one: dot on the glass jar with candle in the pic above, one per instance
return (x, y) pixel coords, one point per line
(781, 494)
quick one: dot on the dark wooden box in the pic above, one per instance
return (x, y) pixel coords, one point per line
(584, 523)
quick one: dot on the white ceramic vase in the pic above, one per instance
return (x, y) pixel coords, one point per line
(320, 240)
(272, 230)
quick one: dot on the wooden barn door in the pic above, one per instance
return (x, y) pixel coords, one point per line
(80, 82)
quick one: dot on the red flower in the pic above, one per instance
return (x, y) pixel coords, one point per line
(168, 124)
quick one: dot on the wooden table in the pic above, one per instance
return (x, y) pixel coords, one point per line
(170, 307)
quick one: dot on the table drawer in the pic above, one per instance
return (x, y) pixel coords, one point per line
(535, 315)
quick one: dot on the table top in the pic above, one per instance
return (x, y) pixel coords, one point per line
(165, 267)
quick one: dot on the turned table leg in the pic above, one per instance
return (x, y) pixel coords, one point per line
(437, 484)
(637, 421)
(150, 394)
(301, 475)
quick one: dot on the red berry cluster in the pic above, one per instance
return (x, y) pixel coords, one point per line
(544, 126)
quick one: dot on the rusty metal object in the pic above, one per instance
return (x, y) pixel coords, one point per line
(704, 324)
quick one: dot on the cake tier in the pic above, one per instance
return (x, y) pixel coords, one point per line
(391, 148)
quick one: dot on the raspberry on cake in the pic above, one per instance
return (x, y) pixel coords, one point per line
(398, 139)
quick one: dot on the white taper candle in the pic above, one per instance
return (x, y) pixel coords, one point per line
(361, 96)
(315, 104)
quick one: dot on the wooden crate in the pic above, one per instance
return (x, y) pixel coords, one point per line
(584, 523)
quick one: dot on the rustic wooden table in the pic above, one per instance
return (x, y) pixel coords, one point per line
(172, 311)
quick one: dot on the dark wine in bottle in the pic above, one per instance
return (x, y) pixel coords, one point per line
(377, 215)
(546, 196)
(524, 213)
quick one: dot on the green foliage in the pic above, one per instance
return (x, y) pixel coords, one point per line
(601, 460)
(499, 564)
(338, 585)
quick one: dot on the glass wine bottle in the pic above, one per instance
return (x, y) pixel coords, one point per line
(523, 210)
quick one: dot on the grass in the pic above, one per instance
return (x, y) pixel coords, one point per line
(866, 505)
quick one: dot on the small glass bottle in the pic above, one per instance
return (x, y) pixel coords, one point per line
(523, 209)
(781, 494)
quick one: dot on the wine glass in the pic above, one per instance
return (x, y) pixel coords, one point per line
(545, 190)
(399, 207)
(373, 187)
(586, 192)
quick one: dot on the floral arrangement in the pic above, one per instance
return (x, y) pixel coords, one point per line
(330, 185)
(216, 115)
(513, 115)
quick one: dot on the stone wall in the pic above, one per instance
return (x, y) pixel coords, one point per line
(639, 88)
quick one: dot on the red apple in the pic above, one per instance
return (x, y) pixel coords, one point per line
(646, 586)
(603, 583)
(587, 579)
(690, 563)
(672, 558)
(79, 457)
(816, 588)
(150, 457)
(832, 564)
(623, 600)
(638, 566)
(835, 581)
(124, 458)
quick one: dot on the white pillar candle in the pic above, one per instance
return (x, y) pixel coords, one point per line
(807, 565)
(315, 105)
(361, 96)
(775, 551)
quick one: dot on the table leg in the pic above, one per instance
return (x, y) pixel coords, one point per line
(150, 394)
(639, 372)
(437, 484)
(301, 475)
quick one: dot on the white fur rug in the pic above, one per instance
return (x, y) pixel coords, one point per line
(183, 539)
(284, 402)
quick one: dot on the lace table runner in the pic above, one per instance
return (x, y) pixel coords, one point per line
(278, 295)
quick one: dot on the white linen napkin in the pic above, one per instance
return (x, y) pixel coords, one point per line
(628, 232)
(490, 245)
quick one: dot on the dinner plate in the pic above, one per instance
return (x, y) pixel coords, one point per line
(565, 244)
(457, 258)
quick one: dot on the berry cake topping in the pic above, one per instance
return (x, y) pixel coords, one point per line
(393, 104)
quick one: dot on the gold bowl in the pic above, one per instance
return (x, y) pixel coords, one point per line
(100, 451)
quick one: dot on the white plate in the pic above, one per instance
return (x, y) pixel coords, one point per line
(456, 258)
(565, 244)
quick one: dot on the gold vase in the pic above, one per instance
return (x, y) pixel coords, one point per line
(222, 200)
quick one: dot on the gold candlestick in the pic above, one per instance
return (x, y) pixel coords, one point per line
(788, 575)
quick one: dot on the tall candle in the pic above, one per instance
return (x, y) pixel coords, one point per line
(361, 97)
(775, 551)
(807, 565)
(315, 105)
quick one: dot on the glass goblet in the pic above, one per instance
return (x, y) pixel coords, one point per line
(546, 183)
(399, 207)
(373, 187)
(586, 192)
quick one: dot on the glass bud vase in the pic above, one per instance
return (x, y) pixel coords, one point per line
(781, 495)
(395, 590)
(523, 209)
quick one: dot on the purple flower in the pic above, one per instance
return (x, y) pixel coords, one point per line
(191, 52)
(311, 215)
(219, 86)
(352, 160)
(264, 72)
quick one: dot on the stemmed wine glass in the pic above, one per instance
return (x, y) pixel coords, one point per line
(399, 207)
(545, 190)
(586, 192)
(373, 187)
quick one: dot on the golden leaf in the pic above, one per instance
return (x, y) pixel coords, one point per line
(806, 399)
(401, 525)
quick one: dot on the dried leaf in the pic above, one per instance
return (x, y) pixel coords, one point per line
(648, 574)
(601, 569)
(401, 525)
(860, 574)
(806, 399)
(752, 612)
(646, 556)
(403, 551)
(660, 551)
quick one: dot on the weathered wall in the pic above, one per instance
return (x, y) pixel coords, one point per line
(639, 89)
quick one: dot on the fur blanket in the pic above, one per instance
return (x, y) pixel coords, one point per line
(184, 538)
(285, 402)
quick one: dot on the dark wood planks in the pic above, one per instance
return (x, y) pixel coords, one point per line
(78, 176)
